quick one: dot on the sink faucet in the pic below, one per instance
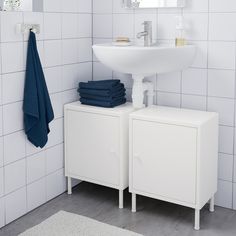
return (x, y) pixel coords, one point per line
(147, 33)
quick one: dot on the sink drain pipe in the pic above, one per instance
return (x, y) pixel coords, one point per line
(141, 88)
(148, 88)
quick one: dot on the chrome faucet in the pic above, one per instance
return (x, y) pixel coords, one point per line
(147, 33)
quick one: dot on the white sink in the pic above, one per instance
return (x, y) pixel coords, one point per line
(144, 61)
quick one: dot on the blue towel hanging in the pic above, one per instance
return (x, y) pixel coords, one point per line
(37, 107)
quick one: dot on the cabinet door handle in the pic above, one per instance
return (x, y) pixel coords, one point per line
(138, 158)
(113, 153)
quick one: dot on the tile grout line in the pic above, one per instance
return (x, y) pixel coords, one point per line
(234, 139)
(92, 27)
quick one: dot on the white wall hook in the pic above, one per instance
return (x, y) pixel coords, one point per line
(25, 28)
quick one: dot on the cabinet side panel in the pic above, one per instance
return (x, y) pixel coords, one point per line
(208, 161)
(124, 151)
(65, 141)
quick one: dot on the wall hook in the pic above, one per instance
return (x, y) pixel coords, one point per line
(25, 28)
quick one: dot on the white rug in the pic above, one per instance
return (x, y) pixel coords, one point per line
(68, 224)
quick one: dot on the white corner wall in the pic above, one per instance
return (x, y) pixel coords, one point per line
(208, 85)
(30, 177)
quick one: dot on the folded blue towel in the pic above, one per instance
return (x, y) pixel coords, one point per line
(103, 98)
(37, 108)
(103, 92)
(111, 104)
(102, 84)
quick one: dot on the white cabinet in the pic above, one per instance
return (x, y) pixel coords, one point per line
(173, 156)
(96, 145)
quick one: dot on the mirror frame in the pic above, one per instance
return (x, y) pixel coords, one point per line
(133, 4)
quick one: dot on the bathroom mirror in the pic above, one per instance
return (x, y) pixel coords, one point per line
(21, 5)
(153, 3)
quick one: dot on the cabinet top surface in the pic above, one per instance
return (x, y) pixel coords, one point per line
(174, 115)
(123, 109)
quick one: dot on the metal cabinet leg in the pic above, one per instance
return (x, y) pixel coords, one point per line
(212, 204)
(133, 202)
(197, 220)
(69, 185)
(121, 199)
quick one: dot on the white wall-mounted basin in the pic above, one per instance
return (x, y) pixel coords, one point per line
(144, 61)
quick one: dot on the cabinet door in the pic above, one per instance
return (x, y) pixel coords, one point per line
(92, 147)
(164, 160)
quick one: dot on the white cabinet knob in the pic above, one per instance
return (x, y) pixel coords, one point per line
(138, 158)
(113, 153)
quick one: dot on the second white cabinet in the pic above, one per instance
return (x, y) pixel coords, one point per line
(173, 156)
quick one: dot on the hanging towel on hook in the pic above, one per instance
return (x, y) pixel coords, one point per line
(37, 107)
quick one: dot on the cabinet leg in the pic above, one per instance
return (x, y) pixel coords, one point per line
(69, 185)
(133, 202)
(212, 204)
(121, 199)
(197, 220)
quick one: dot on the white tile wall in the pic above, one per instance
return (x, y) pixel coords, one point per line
(15, 205)
(225, 108)
(194, 102)
(70, 51)
(234, 199)
(194, 81)
(210, 82)
(219, 79)
(221, 55)
(57, 105)
(1, 182)
(18, 152)
(1, 152)
(12, 87)
(84, 6)
(8, 22)
(2, 212)
(15, 176)
(10, 112)
(55, 184)
(168, 99)
(170, 82)
(220, 6)
(226, 139)
(225, 167)
(12, 57)
(30, 176)
(54, 159)
(224, 194)
(221, 26)
(52, 26)
(53, 53)
(36, 194)
(36, 167)
(52, 74)
(69, 25)
(84, 30)
(52, 5)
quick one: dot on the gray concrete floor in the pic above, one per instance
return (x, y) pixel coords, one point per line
(154, 218)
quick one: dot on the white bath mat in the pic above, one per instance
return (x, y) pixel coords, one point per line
(68, 224)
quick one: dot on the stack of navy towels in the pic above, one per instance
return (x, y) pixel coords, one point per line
(103, 93)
